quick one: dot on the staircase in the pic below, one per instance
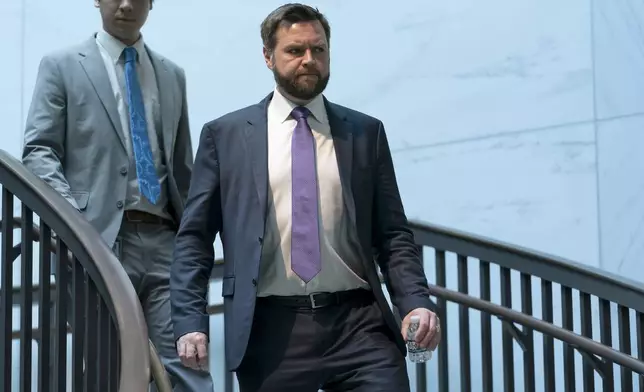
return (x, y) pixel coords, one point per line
(512, 319)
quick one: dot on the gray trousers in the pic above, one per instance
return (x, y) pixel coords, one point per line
(146, 252)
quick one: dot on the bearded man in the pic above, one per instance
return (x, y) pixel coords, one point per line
(303, 194)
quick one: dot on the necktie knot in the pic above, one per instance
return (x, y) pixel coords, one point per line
(130, 54)
(300, 112)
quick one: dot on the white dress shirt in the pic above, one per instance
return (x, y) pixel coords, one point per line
(340, 255)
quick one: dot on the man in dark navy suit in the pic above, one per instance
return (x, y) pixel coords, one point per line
(304, 196)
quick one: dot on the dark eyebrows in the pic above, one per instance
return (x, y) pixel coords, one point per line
(299, 44)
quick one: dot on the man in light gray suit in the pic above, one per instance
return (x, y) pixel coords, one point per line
(108, 129)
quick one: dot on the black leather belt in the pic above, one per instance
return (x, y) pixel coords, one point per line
(134, 216)
(320, 300)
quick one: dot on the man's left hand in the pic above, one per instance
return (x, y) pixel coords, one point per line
(429, 331)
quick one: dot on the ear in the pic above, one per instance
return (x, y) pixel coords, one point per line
(268, 58)
(97, 3)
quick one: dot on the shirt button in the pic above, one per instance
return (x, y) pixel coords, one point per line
(123, 170)
(119, 204)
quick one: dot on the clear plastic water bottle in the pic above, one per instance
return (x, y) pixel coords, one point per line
(416, 353)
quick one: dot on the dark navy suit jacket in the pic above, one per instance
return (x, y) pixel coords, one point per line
(228, 195)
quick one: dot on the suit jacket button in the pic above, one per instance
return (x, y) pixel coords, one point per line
(261, 240)
(255, 282)
(123, 170)
(119, 204)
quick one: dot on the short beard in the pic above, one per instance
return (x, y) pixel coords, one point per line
(290, 86)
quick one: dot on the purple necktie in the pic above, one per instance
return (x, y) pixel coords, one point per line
(305, 239)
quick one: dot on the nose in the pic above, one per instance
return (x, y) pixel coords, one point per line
(126, 5)
(308, 57)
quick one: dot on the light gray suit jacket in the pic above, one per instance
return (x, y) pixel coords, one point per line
(74, 139)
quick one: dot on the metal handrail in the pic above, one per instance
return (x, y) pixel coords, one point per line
(506, 314)
(575, 281)
(568, 273)
(158, 372)
(96, 258)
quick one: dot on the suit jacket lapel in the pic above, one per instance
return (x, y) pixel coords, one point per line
(342, 132)
(94, 67)
(168, 93)
(256, 135)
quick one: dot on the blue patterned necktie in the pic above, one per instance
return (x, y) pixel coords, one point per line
(146, 171)
(305, 240)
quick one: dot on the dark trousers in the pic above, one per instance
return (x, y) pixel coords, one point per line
(343, 347)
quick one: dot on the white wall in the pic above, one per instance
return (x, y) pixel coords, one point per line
(519, 120)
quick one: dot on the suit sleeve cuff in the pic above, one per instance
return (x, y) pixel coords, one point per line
(413, 302)
(192, 324)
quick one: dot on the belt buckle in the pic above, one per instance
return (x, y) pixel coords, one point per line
(314, 305)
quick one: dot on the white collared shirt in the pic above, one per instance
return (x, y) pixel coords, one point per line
(341, 264)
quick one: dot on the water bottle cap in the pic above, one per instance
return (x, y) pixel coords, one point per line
(415, 319)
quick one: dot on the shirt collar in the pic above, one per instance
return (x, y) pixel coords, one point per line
(114, 47)
(283, 107)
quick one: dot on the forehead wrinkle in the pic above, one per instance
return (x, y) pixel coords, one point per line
(301, 42)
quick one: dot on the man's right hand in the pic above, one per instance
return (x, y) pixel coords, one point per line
(193, 350)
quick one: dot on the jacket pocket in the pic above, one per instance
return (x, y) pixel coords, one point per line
(228, 286)
(82, 199)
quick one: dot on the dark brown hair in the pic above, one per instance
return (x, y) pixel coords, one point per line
(287, 15)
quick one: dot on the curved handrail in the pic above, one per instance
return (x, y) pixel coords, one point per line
(109, 276)
(571, 338)
(568, 273)
(158, 372)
